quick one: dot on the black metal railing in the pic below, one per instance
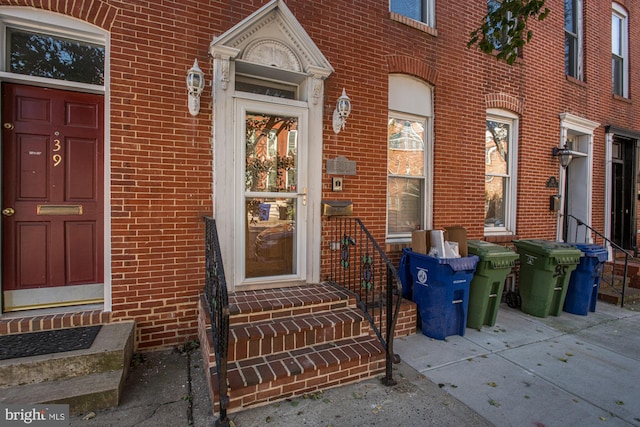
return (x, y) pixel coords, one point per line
(620, 256)
(359, 265)
(215, 292)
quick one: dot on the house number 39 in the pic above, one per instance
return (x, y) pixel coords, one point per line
(57, 158)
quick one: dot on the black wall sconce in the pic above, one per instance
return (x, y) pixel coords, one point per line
(563, 154)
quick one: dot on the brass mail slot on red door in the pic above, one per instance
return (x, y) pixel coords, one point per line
(59, 210)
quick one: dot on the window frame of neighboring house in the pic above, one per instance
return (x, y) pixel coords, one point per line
(509, 198)
(411, 99)
(620, 56)
(425, 8)
(573, 40)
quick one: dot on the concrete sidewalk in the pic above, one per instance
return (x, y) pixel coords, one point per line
(530, 371)
(554, 371)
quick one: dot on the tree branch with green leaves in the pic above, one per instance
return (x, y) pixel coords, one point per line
(504, 28)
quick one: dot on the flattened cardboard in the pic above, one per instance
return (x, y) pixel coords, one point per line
(458, 234)
(420, 241)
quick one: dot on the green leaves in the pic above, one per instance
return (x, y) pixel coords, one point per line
(504, 28)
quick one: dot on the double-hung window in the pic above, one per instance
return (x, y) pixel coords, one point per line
(500, 172)
(573, 38)
(418, 10)
(406, 174)
(409, 157)
(619, 51)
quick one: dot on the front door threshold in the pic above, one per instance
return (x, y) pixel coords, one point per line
(31, 299)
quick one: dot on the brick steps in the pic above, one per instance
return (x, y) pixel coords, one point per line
(281, 375)
(291, 341)
(633, 271)
(286, 334)
(612, 293)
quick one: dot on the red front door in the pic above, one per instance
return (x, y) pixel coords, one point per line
(52, 196)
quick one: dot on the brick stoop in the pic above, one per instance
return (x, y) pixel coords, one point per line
(291, 341)
(634, 273)
(613, 294)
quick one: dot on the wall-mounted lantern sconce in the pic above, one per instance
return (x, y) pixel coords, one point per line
(563, 154)
(195, 85)
(342, 111)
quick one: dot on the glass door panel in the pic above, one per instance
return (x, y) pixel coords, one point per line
(271, 195)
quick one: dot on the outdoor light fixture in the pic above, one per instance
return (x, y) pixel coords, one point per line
(563, 154)
(342, 111)
(195, 85)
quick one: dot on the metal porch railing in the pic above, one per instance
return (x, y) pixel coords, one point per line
(620, 256)
(215, 292)
(359, 265)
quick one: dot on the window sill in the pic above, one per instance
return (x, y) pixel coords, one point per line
(621, 98)
(413, 23)
(500, 238)
(575, 81)
(396, 245)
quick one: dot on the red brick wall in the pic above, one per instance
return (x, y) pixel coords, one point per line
(161, 158)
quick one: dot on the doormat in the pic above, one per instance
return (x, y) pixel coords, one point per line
(47, 342)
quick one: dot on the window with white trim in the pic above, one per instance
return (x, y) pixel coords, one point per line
(75, 52)
(573, 38)
(409, 157)
(619, 51)
(418, 10)
(405, 168)
(500, 172)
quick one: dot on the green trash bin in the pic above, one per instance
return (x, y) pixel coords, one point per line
(545, 270)
(485, 290)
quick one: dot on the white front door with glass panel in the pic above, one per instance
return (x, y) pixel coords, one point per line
(273, 198)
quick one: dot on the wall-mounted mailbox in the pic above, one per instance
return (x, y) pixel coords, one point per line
(554, 203)
(337, 207)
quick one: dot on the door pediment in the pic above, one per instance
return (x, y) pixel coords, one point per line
(272, 37)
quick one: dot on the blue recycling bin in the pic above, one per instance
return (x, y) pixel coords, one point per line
(440, 289)
(582, 293)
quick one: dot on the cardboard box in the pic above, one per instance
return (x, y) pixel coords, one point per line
(420, 241)
(458, 234)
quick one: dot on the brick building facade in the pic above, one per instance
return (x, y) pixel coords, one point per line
(163, 169)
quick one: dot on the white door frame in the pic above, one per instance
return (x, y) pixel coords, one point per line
(272, 46)
(580, 176)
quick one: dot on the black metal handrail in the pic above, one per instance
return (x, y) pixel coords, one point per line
(215, 293)
(359, 265)
(616, 249)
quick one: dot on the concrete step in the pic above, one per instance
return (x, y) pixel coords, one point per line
(83, 394)
(85, 379)
(111, 350)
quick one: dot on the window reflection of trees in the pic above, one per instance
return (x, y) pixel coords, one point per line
(497, 172)
(42, 55)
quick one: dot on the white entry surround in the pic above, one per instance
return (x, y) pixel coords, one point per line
(576, 181)
(272, 48)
